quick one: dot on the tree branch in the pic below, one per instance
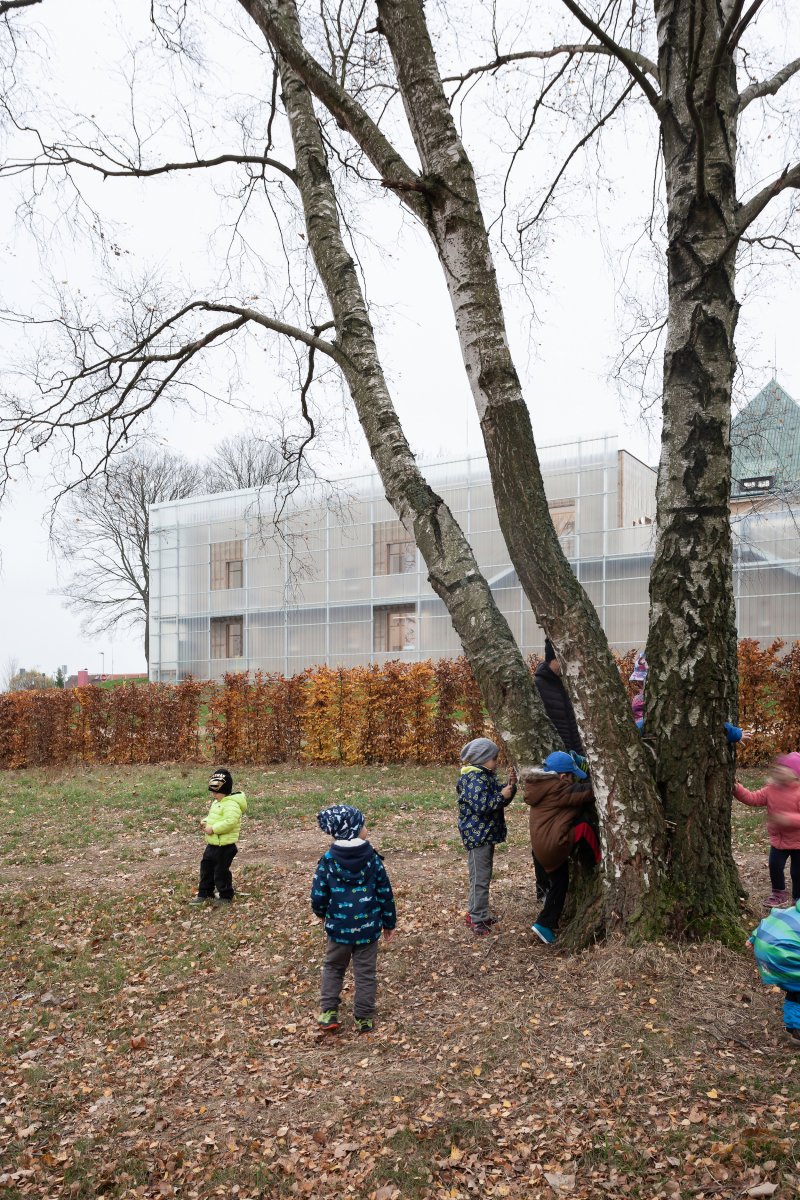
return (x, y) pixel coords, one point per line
(768, 87)
(394, 170)
(576, 48)
(586, 138)
(62, 156)
(7, 5)
(788, 178)
(745, 21)
(625, 56)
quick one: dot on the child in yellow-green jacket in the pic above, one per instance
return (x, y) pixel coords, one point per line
(221, 828)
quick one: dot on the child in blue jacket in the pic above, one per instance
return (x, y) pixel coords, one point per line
(482, 803)
(352, 893)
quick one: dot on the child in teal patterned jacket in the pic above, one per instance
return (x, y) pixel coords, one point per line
(351, 892)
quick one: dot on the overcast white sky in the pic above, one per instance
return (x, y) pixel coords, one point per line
(565, 353)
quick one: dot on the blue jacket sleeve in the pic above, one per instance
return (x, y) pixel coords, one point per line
(320, 890)
(732, 732)
(383, 891)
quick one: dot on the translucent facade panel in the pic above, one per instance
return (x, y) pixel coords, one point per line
(350, 562)
(226, 531)
(194, 579)
(264, 571)
(227, 600)
(626, 625)
(169, 581)
(265, 642)
(305, 640)
(483, 519)
(384, 587)
(348, 589)
(561, 486)
(319, 599)
(351, 637)
(193, 555)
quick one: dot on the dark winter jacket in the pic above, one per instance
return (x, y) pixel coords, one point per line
(553, 803)
(351, 890)
(481, 807)
(558, 706)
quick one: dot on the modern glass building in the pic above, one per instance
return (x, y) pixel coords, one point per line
(240, 583)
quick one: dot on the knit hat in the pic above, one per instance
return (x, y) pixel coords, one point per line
(221, 782)
(563, 764)
(549, 652)
(640, 669)
(790, 761)
(479, 751)
(342, 822)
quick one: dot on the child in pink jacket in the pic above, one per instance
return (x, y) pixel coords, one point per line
(781, 798)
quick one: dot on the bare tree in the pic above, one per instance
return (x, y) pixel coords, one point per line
(103, 531)
(249, 460)
(655, 839)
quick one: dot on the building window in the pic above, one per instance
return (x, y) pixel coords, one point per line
(563, 515)
(227, 565)
(394, 628)
(393, 551)
(227, 637)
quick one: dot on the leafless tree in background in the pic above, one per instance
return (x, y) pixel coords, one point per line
(655, 837)
(102, 531)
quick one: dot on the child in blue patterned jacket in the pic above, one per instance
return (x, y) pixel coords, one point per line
(482, 823)
(352, 893)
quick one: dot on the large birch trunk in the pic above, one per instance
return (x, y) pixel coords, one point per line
(692, 688)
(499, 668)
(627, 802)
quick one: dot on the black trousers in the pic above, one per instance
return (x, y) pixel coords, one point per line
(215, 871)
(777, 870)
(551, 887)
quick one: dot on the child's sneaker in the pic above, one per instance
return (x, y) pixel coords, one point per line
(794, 1035)
(365, 1024)
(546, 935)
(486, 921)
(328, 1021)
(479, 928)
(776, 899)
(200, 900)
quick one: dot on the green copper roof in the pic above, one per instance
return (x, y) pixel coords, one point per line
(765, 444)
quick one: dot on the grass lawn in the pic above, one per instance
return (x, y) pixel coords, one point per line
(154, 1050)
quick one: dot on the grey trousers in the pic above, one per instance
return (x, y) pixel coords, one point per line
(480, 861)
(365, 976)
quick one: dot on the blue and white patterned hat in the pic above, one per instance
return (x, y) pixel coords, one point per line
(341, 821)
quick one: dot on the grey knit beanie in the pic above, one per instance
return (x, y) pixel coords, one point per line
(479, 751)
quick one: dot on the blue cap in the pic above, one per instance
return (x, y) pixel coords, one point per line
(563, 764)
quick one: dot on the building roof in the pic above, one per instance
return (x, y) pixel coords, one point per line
(765, 444)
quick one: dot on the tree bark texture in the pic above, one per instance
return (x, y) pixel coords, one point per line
(627, 802)
(691, 650)
(499, 668)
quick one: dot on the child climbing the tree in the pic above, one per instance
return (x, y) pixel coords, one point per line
(781, 798)
(559, 798)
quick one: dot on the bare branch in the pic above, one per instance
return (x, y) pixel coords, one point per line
(745, 21)
(768, 87)
(63, 156)
(625, 56)
(7, 5)
(586, 138)
(394, 170)
(788, 178)
(575, 48)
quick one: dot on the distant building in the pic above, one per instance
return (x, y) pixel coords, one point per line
(342, 583)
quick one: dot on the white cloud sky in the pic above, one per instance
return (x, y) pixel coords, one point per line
(564, 355)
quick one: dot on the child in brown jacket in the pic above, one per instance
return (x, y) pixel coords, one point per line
(555, 796)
